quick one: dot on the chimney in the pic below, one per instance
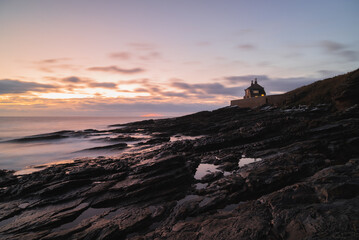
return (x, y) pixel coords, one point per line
(255, 80)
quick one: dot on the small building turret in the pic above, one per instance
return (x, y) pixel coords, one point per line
(255, 90)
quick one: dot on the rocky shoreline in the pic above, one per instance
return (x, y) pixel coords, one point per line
(303, 184)
(290, 172)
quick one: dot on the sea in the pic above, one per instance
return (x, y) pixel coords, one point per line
(19, 156)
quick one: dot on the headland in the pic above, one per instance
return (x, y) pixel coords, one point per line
(271, 172)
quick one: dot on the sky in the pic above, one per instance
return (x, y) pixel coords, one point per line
(165, 58)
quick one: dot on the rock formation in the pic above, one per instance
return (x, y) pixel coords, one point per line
(302, 182)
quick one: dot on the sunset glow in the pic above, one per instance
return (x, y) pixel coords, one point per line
(152, 115)
(165, 58)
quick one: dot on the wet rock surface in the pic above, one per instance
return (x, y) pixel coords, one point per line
(267, 174)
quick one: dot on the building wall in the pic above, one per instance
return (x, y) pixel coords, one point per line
(276, 100)
(249, 102)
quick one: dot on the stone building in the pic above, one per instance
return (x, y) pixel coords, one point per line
(255, 90)
(255, 97)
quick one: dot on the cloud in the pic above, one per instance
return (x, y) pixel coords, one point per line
(338, 49)
(154, 89)
(74, 80)
(9, 86)
(51, 69)
(270, 84)
(53, 60)
(140, 90)
(151, 56)
(174, 94)
(52, 64)
(246, 47)
(179, 89)
(182, 85)
(285, 84)
(217, 88)
(121, 55)
(184, 90)
(115, 69)
(293, 55)
(102, 85)
(89, 82)
(206, 88)
(142, 46)
(329, 73)
(135, 81)
(145, 86)
(264, 64)
(245, 78)
(331, 46)
(350, 55)
(245, 31)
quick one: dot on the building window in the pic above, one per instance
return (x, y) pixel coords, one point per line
(255, 91)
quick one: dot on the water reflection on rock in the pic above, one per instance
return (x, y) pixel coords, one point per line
(246, 160)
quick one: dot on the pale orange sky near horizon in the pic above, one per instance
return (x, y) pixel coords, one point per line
(156, 58)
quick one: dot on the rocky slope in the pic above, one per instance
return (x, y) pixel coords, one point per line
(302, 182)
(340, 91)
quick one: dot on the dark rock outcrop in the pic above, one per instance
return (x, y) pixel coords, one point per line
(302, 182)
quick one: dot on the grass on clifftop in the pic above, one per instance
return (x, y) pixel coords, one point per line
(342, 91)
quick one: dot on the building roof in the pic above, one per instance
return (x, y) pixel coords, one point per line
(255, 86)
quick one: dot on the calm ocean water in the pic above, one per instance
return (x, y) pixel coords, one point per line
(18, 156)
